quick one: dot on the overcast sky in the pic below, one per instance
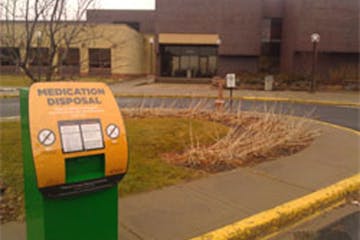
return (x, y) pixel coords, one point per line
(126, 4)
(72, 5)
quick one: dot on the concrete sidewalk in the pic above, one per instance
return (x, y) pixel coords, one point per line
(146, 87)
(191, 209)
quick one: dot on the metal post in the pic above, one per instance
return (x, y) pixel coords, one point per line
(315, 39)
(38, 59)
(38, 37)
(231, 84)
(315, 65)
(231, 99)
(313, 71)
(151, 60)
(152, 42)
(219, 102)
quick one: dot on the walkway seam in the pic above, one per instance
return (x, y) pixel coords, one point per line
(276, 179)
(270, 221)
(130, 231)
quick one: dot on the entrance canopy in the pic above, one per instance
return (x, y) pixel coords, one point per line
(188, 39)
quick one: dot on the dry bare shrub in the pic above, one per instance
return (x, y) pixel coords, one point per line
(253, 137)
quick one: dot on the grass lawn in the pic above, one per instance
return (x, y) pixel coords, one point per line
(23, 81)
(14, 81)
(148, 139)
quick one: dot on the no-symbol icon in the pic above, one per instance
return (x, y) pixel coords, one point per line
(112, 131)
(46, 137)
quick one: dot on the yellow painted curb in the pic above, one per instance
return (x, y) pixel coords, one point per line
(299, 100)
(332, 125)
(270, 221)
(327, 124)
(265, 99)
(9, 96)
(250, 98)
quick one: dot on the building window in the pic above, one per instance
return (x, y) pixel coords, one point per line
(100, 61)
(271, 30)
(69, 60)
(9, 56)
(271, 45)
(39, 56)
(100, 58)
(69, 57)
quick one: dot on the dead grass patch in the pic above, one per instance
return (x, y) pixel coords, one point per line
(252, 138)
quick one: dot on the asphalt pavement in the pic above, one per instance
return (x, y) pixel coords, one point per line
(342, 223)
(339, 115)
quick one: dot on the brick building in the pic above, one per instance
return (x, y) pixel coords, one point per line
(201, 38)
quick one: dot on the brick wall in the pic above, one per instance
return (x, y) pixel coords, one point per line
(337, 22)
(239, 24)
(273, 8)
(240, 29)
(329, 64)
(236, 64)
(145, 18)
(188, 16)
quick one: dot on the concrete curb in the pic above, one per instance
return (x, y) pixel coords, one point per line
(265, 99)
(298, 100)
(268, 222)
(9, 96)
(8, 119)
(353, 131)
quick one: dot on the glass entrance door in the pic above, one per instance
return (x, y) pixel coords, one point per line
(188, 61)
(203, 66)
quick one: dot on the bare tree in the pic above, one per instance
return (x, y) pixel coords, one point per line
(41, 29)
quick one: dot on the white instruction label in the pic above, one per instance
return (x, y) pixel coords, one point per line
(71, 138)
(92, 136)
(81, 135)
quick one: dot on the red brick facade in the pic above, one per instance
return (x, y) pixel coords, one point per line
(239, 24)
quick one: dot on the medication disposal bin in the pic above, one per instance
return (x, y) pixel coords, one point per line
(75, 152)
